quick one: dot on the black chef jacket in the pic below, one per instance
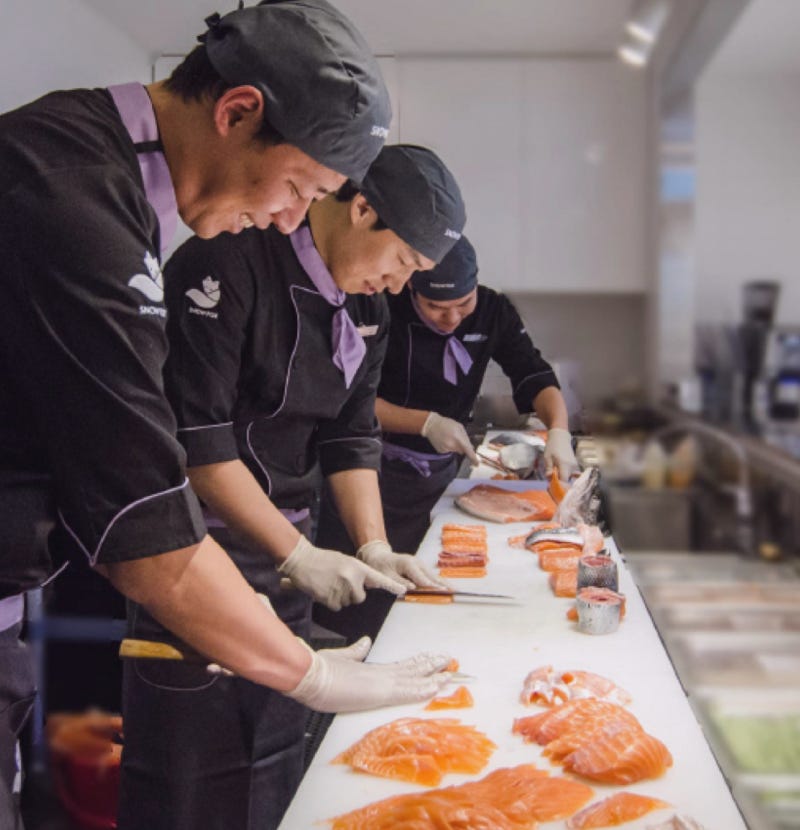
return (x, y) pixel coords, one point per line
(86, 432)
(413, 376)
(250, 372)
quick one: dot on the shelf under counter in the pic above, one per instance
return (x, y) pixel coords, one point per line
(498, 645)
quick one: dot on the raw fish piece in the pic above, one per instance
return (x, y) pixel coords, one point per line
(598, 571)
(513, 798)
(419, 750)
(560, 559)
(462, 572)
(564, 583)
(549, 688)
(563, 535)
(460, 699)
(498, 505)
(616, 809)
(573, 716)
(581, 502)
(599, 610)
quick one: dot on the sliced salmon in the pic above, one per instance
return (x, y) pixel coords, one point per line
(564, 583)
(462, 560)
(572, 716)
(560, 559)
(513, 798)
(419, 750)
(616, 809)
(547, 687)
(462, 573)
(460, 699)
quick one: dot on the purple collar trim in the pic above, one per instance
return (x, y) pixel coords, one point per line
(347, 345)
(136, 111)
(456, 355)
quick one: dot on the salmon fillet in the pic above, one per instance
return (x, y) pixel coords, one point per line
(547, 687)
(460, 560)
(560, 559)
(564, 583)
(419, 750)
(460, 699)
(498, 505)
(616, 809)
(513, 798)
(574, 715)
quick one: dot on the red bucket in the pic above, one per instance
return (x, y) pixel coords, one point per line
(85, 757)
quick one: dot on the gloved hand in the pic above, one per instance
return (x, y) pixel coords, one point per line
(558, 453)
(400, 566)
(448, 435)
(333, 578)
(339, 681)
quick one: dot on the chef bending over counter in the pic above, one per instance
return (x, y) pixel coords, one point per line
(445, 328)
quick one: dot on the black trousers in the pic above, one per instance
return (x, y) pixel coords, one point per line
(210, 752)
(407, 498)
(17, 692)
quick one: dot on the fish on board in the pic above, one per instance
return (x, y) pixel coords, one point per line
(616, 809)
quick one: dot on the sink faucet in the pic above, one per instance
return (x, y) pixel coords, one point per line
(740, 490)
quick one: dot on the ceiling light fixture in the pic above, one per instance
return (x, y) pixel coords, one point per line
(643, 28)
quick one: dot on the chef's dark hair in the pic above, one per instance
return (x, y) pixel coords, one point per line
(347, 192)
(194, 79)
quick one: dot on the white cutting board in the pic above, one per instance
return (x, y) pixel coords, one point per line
(499, 645)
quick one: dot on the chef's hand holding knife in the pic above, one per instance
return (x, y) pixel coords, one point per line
(404, 567)
(558, 453)
(336, 579)
(448, 435)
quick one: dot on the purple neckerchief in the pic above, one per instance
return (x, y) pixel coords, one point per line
(11, 611)
(347, 344)
(293, 516)
(420, 461)
(136, 111)
(455, 352)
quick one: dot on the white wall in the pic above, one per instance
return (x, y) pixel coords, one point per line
(747, 220)
(551, 157)
(62, 44)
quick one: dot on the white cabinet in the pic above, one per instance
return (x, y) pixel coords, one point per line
(551, 157)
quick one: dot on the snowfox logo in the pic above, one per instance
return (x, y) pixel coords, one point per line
(205, 299)
(379, 132)
(452, 234)
(151, 285)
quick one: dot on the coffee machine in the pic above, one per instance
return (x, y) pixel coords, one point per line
(782, 374)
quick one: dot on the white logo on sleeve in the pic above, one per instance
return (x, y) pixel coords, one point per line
(379, 132)
(151, 285)
(206, 299)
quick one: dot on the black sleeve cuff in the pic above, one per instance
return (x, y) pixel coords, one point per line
(531, 386)
(209, 445)
(341, 454)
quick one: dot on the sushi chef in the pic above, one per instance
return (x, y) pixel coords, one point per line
(280, 104)
(276, 344)
(445, 328)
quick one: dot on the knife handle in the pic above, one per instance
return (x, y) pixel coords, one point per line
(152, 650)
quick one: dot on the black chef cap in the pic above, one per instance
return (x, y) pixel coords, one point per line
(454, 277)
(417, 197)
(322, 88)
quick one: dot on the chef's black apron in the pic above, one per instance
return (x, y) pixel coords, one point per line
(247, 756)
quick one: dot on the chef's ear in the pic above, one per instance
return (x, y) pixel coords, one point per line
(237, 107)
(362, 214)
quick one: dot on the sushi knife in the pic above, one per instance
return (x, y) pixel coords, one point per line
(421, 592)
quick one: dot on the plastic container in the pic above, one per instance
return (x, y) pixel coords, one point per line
(654, 473)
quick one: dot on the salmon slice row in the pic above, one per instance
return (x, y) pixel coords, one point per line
(513, 798)
(462, 571)
(462, 560)
(494, 504)
(598, 740)
(616, 809)
(419, 750)
(473, 531)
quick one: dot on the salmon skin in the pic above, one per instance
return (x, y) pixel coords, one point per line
(599, 610)
(599, 571)
(562, 535)
(512, 798)
(616, 809)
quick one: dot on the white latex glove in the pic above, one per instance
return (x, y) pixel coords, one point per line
(448, 435)
(558, 453)
(339, 681)
(333, 578)
(400, 566)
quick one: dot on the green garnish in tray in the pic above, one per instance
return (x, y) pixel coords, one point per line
(761, 743)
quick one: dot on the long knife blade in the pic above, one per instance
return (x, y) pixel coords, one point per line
(443, 592)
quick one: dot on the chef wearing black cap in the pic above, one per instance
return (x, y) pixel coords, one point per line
(92, 182)
(445, 329)
(276, 344)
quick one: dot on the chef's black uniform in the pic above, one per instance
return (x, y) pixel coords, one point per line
(87, 437)
(250, 376)
(412, 377)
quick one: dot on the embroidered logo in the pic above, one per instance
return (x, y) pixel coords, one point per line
(366, 331)
(452, 234)
(151, 285)
(475, 338)
(379, 132)
(206, 299)
(443, 285)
